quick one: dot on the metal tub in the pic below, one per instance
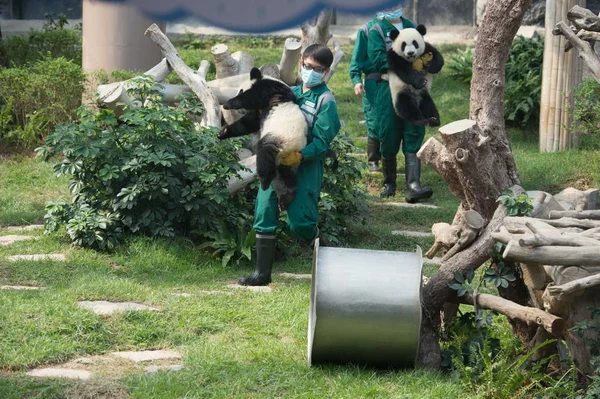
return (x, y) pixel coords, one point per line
(365, 307)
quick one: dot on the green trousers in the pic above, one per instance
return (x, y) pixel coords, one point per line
(303, 212)
(390, 129)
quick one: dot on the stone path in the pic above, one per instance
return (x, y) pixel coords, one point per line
(60, 373)
(147, 356)
(264, 288)
(406, 205)
(18, 287)
(107, 308)
(296, 276)
(25, 228)
(56, 257)
(411, 233)
(7, 240)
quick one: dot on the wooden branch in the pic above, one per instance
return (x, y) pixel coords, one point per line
(338, 54)
(203, 69)
(246, 176)
(551, 323)
(586, 52)
(574, 287)
(572, 222)
(471, 224)
(552, 255)
(594, 214)
(289, 61)
(563, 239)
(583, 18)
(212, 113)
(445, 237)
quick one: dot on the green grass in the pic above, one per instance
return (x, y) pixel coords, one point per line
(244, 345)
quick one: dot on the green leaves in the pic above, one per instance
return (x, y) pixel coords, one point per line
(500, 276)
(462, 281)
(520, 205)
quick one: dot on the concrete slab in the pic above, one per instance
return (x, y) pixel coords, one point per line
(7, 240)
(56, 257)
(107, 308)
(19, 287)
(296, 276)
(411, 233)
(147, 356)
(60, 373)
(263, 288)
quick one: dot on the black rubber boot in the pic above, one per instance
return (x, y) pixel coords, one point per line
(414, 191)
(265, 253)
(389, 177)
(373, 155)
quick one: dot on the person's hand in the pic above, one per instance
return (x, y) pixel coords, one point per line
(293, 158)
(359, 89)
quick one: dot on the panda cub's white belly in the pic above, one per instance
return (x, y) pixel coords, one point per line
(286, 123)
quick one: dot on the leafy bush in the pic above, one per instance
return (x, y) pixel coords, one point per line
(37, 98)
(147, 172)
(586, 110)
(54, 39)
(523, 78)
(516, 205)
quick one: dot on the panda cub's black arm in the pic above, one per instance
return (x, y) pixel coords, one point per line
(437, 62)
(247, 124)
(405, 71)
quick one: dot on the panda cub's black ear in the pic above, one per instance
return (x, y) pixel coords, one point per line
(255, 73)
(421, 29)
(394, 34)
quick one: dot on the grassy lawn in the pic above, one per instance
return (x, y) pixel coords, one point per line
(235, 344)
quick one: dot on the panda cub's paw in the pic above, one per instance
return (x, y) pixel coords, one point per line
(421, 83)
(434, 122)
(223, 133)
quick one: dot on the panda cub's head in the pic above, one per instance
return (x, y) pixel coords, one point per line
(257, 92)
(409, 42)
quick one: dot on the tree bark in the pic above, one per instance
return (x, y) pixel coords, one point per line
(476, 162)
(227, 64)
(552, 255)
(212, 113)
(316, 30)
(586, 52)
(289, 61)
(338, 54)
(594, 214)
(575, 286)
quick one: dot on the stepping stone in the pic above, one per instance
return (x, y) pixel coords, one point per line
(183, 294)
(213, 292)
(18, 287)
(7, 240)
(84, 360)
(411, 233)
(171, 367)
(296, 276)
(362, 122)
(56, 257)
(60, 373)
(108, 308)
(406, 205)
(261, 288)
(25, 228)
(146, 356)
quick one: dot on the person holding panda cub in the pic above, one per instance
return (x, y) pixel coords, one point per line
(320, 111)
(391, 129)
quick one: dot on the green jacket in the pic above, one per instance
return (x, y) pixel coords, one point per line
(378, 46)
(324, 125)
(360, 62)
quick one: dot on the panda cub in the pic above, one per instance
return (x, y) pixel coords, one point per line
(282, 130)
(411, 61)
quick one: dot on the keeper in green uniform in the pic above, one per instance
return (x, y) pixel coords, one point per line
(319, 108)
(391, 129)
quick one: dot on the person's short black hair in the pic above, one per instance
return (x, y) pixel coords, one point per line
(319, 53)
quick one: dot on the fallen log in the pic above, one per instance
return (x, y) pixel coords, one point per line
(212, 111)
(594, 214)
(572, 222)
(552, 255)
(246, 176)
(574, 287)
(563, 239)
(551, 323)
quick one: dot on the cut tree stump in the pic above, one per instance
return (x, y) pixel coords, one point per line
(289, 61)
(227, 64)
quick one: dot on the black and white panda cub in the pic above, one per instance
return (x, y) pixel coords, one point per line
(282, 130)
(411, 61)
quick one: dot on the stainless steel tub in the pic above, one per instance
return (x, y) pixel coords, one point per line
(365, 307)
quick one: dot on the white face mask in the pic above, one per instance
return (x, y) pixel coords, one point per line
(398, 26)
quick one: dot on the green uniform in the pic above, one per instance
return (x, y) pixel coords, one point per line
(323, 120)
(390, 128)
(360, 64)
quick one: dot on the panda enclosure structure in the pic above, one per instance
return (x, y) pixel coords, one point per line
(474, 158)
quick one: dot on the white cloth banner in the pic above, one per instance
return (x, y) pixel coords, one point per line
(253, 16)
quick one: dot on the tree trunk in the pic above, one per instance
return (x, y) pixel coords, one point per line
(289, 61)
(227, 64)
(481, 139)
(316, 30)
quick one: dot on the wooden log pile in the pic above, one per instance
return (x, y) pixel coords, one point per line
(558, 250)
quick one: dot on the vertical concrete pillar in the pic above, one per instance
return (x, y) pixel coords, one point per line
(113, 38)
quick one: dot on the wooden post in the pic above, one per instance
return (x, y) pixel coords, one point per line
(561, 74)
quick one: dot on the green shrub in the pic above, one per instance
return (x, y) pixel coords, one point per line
(39, 97)
(53, 39)
(146, 172)
(523, 78)
(586, 111)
